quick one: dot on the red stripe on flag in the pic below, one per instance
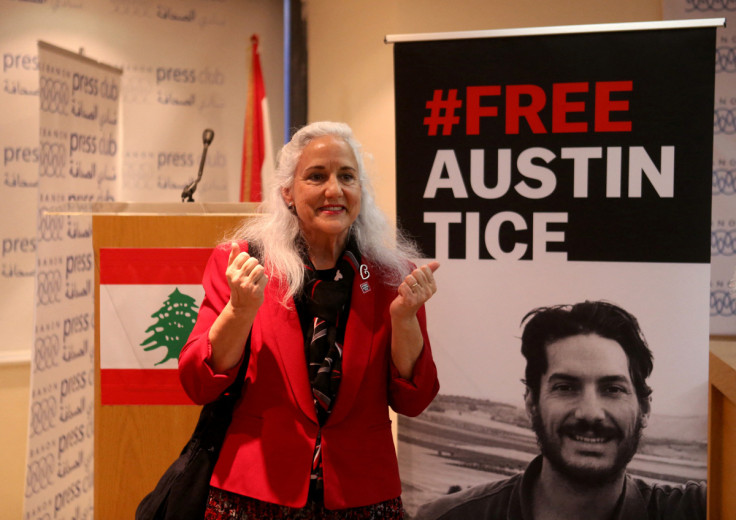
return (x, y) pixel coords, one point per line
(254, 148)
(141, 387)
(131, 266)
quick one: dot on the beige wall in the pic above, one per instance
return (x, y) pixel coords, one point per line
(351, 68)
(350, 79)
(14, 403)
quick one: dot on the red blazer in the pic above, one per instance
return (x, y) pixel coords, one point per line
(269, 446)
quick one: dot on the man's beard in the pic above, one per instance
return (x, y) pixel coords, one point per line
(581, 476)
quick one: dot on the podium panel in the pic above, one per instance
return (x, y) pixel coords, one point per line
(721, 428)
(135, 444)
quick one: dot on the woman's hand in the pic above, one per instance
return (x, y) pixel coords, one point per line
(406, 334)
(247, 280)
(414, 291)
(229, 333)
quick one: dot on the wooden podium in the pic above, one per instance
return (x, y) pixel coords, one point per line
(135, 444)
(722, 430)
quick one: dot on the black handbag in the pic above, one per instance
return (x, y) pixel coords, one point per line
(182, 491)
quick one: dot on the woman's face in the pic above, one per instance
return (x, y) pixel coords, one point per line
(326, 189)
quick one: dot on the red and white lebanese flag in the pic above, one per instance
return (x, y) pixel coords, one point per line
(149, 299)
(257, 164)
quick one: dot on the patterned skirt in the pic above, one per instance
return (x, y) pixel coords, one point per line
(223, 505)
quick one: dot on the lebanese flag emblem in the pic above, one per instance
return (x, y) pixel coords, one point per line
(149, 299)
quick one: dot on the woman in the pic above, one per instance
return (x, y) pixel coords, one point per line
(337, 328)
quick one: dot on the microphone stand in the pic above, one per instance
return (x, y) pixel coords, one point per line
(186, 195)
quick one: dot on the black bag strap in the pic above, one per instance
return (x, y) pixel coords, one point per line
(220, 411)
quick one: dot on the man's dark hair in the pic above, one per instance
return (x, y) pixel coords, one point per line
(546, 325)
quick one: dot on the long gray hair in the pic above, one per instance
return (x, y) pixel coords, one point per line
(277, 229)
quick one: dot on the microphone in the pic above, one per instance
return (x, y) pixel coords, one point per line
(186, 195)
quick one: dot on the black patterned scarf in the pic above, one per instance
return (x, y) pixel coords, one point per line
(323, 308)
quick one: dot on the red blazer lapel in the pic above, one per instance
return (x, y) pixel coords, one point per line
(289, 347)
(359, 333)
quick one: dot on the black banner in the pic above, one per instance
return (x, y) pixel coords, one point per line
(545, 169)
(510, 148)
